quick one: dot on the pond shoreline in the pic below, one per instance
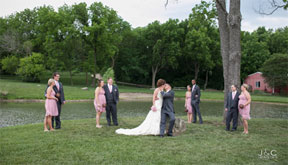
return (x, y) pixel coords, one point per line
(121, 99)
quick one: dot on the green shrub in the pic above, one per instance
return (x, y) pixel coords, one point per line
(107, 74)
(32, 67)
(10, 64)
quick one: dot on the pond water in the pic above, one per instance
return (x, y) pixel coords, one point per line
(27, 113)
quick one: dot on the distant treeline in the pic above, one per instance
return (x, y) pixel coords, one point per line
(90, 39)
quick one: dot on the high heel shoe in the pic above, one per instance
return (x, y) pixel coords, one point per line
(98, 126)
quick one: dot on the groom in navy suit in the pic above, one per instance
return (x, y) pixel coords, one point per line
(167, 110)
(231, 107)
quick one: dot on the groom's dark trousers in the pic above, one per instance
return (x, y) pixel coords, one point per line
(167, 110)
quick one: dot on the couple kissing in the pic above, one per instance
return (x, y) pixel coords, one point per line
(155, 121)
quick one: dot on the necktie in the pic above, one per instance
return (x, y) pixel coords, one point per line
(57, 85)
(110, 88)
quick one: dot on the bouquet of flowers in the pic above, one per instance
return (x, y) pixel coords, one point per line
(153, 108)
(241, 106)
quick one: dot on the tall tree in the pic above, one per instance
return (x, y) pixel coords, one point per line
(198, 41)
(278, 41)
(276, 75)
(230, 32)
(101, 30)
(81, 15)
(163, 45)
(255, 51)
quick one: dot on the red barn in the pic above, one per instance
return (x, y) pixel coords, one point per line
(256, 82)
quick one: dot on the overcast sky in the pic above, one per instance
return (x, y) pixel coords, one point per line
(143, 12)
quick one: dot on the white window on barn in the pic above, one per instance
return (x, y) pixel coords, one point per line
(257, 84)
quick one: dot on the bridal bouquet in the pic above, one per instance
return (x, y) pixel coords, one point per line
(153, 108)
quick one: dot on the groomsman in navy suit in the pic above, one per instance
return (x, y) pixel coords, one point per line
(112, 98)
(195, 101)
(231, 107)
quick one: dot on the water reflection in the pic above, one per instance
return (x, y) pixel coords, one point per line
(26, 113)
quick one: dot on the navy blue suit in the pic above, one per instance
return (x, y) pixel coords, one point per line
(112, 98)
(167, 110)
(232, 112)
(195, 100)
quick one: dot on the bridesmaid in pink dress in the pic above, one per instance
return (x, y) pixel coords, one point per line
(188, 106)
(50, 105)
(244, 106)
(99, 102)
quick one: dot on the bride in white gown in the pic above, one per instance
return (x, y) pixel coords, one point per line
(151, 124)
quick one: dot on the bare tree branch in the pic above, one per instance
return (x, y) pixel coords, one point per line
(167, 1)
(273, 4)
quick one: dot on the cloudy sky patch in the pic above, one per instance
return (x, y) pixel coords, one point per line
(142, 12)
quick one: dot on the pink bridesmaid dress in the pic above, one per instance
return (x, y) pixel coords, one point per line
(102, 100)
(51, 106)
(244, 112)
(188, 103)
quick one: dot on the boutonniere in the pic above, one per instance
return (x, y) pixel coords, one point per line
(115, 90)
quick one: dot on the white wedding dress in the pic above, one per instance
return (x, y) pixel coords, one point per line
(151, 125)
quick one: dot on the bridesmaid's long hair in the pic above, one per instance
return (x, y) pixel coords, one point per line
(50, 81)
(246, 87)
(99, 83)
(189, 87)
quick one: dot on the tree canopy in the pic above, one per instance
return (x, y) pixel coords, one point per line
(91, 39)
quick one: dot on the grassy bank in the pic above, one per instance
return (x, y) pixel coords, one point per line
(22, 90)
(79, 142)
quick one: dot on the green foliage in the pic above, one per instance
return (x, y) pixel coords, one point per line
(31, 67)
(275, 70)
(90, 39)
(10, 64)
(103, 35)
(131, 62)
(255, 51)
(107, 74)
(285, 4)
(278, 41)
(199, 41)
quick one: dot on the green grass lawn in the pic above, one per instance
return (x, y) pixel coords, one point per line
(79, 142)
(22, 90)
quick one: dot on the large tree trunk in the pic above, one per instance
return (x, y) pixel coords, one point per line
(234, 23)
(229, 28)
(206, 80)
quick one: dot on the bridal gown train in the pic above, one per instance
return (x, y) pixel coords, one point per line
(151, 125)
